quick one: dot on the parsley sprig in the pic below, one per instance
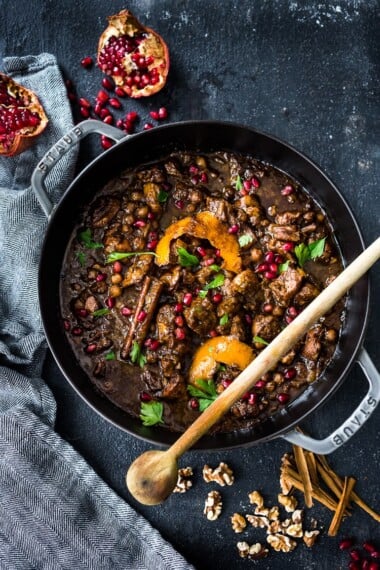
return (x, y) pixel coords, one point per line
(85, 238)
(260, 340)
(136, 355)
(117, 255)
(304, 252)
(100, 312)
(205, 393)
(245, 239)
(151, 413)
(216, 282)
(187, 259)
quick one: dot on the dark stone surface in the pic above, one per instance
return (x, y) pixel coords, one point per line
(307, 72)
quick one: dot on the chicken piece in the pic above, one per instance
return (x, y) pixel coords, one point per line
(139, 268)
(175, 387)
(91, 304)
(219, 207)
(151, 193)
(165, 325)
(103, 210)
(171, 278)
(200, 316)
(286, 218)
(307, 293)
(284, 233)
(251, 206)
(238, 328)
(312, 346)
(266, 327)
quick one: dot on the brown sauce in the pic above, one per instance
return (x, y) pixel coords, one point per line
(135, 326)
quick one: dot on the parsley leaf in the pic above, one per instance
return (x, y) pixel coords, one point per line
(313, 250)
(136, 356)
(116, 255)
(81, 258)
(86, 239)
(245, 239)
(186, 259)
(206, 393)
(216, 282)
(151, 413)
(162, 196)
(215, 267)
(238, 183)
(260, 340)
(223, 320)
(100, 312)
(283, 267)
(110, 355)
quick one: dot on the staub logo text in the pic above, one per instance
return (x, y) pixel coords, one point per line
(355, 422)
(60, 148)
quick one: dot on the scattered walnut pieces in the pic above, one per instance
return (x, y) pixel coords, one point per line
(213, 505)
(183, 482)
(222, 474)
(288, 502)
(238, 522)
(255, 498)
(281, 543)
(258, 522)
(255, 551)
(310, 536)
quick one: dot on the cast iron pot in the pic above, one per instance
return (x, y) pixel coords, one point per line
(203, 136)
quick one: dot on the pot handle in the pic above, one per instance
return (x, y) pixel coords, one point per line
(65, 143)
(353, 423)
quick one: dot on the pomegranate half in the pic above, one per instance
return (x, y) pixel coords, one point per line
(136, 57)
(22, 117)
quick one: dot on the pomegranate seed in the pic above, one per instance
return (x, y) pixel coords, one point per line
(213, 333)
(202, 252)
(162, 113)
(129, 127)
(66, 325)
(151, 216)
(290, 373)
(375, 554)
(179, 334)
(91, 348)
(154, 115)
(253, 399)
(217, 298)
(154, 345)
(262, 267)
(179, 204)
(208, 262)
(287, 190)
(354, 566)
(283, 398)
(270, 275)
(226, 382)
(248, 319)
(288, 246)
(72, 97)
(120, 124)
(120, 92)
(84, 112)
(233, 229)
(268, 308)
(355, 555)
(365, 565)
(269, 257)
(194, 404)
(288, 319)
(152, 244)
(292, 311)
(115, 103)
(217, 253)
(104, 113)
(247, 184)
(84, 103)
(132, 116)
(261, 384)
(179, 321)
(77, 331)
(98, 108)
(126, 311)
(106, 142)
(147, 126)
(145, 397)
(273, 267)
(108, 120)
(82, 313)
(108, 83)
(194, 179)
(87, 62)
(278, 259)
(187, 299)
(256, 182)
(117, 267)
(369, 547)
(373, 566)
(141, 316)
(246, 396)
(102, 96)
(204, 177)
(110, 302)
(139, 224)
(101, 276)
(178, 308)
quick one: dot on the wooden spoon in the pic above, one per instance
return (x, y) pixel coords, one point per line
(152, 477)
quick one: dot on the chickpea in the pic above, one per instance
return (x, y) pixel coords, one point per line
(331, 335)
(320, 217)
(115, 291)
(277, 311)
(116, 278)
(278, 378)
(272, 210)
(142, 212)
(128, 220)
(256, 254)
(201, 162)
(137, 196)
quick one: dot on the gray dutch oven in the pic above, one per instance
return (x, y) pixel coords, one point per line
(204, 136)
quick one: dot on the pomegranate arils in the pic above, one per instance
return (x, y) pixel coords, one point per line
(102, 96)
(90, 348)
(126, 311)
(180, 334)
(355, 555)
(77, 331)
(66, 325)
(145, 397)
(84, 103)
(132, 116)
(85, 112)
(287, 190)
(141, 316)
(369, 547)
(233, 229)
(154, 115)
(87, 62)
(120, 92)
(117, 267)
(178, 308)
(115, 103)
(283, 398)
(290, 373)
(375, 554)
(108, 83)
(110, 302)
(256, 182)
(148, 126)
(187, 299)
(288, 246)
(346, 543)
(162, 113)
(194, 404)
(108, 119)
(106, 142)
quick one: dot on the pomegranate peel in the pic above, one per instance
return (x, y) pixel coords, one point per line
(135, 56)
(22, 117)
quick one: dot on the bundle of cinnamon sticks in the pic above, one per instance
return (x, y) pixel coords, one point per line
(312, 474)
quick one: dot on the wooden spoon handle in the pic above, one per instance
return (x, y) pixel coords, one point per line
(277, 348)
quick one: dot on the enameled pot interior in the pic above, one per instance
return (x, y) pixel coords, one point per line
(202, 136)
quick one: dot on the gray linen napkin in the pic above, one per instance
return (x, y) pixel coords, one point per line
(55, 512)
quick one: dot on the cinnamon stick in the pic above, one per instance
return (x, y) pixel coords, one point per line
(140, 303)
(349, 483)
(303, 470)
(293, 478)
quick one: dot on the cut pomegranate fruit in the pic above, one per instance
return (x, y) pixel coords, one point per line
(136, 57)
(22, 117)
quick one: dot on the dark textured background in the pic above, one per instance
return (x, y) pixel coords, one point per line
(307, 72)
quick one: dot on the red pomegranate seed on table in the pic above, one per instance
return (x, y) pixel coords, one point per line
(83, 102)
(147, 126)
(373, 566)
(84, 112)
(132, 116)
(108, 83)
(369, 547)
(154, 115)
(102, 96)
(375, 554)
(87, 62)
(106, 142)
(104, 112)
(365, 565)
(162, 113)
(108, 120)
(355, 555)
(120, 92)
(115, 103)
(98, 108)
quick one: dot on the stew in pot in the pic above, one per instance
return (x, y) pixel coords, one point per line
(181, 271)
